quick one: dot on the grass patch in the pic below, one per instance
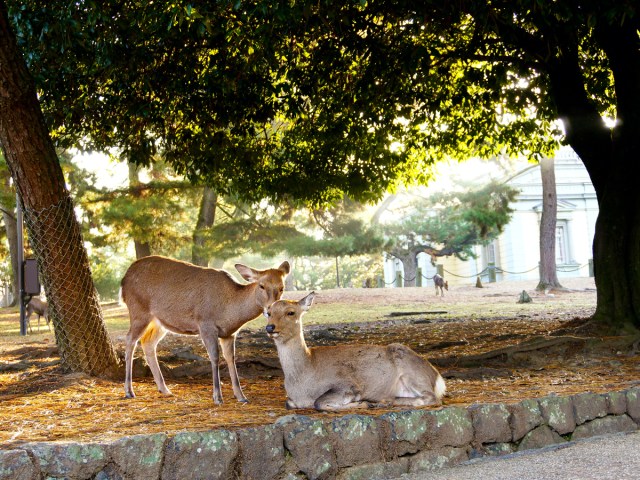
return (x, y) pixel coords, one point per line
(116, 318)
(345, 313)
(362, 305)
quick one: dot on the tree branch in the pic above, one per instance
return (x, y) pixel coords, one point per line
(8, 213)
(557, 52)
(137, 189)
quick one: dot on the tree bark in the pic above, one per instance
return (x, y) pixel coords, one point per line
(616, 251)
(410, 267)
(54, 231)
(142, 247)
(610, 157)
(617, 239)
(548, 272)
(206, 219)
(609, 154)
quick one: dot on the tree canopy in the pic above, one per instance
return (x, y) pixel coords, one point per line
(209, 85)
(314, 100)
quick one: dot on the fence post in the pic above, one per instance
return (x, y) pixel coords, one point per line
(20, 242)
(419, 277)
(399, 279)
(591, 269)
(380, 282)
(491, 270)
(440, 269)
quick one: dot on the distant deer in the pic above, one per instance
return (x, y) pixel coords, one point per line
(440, 284)
(347, 376)
(40, 308)
(169, 295)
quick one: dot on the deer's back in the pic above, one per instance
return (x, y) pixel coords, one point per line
(170, 288)
(38, 306)
(370, 367)
(373, 368)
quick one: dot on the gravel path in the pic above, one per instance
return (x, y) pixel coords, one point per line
(615, 457)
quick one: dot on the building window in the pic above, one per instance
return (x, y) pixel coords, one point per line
(490, 253)
(562, 245)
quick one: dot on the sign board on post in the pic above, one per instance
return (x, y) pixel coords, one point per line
(31, 281)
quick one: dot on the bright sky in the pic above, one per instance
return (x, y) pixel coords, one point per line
(109, 173)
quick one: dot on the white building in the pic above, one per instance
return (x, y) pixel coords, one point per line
(515, 254)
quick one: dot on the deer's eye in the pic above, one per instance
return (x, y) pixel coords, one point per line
(291, 314)
(261, 287)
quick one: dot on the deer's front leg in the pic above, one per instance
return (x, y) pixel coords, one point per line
(210, 340)
(229, 352)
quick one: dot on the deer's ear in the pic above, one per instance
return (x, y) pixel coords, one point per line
(306, 302)
(285, 267)
(248, 273)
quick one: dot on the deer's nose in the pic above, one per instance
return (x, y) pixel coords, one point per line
(270, 328)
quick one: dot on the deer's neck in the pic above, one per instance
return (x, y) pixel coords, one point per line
(246, 308)
(294, 356)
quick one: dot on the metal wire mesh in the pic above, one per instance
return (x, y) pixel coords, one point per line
(81, 335)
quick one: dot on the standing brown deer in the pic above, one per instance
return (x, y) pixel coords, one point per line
(441, 285)
(169, 295)
(347, 376)
(40, 308)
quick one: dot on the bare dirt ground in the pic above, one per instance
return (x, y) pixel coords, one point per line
(488, 347)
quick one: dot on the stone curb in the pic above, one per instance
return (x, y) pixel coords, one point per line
(351, 447)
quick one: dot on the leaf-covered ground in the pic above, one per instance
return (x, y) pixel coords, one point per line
(488, 347)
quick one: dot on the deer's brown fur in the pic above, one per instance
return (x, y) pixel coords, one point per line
(163, 295)
(347, 376)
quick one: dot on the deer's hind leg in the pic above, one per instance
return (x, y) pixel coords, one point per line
(415, 378)
(340, 397)
(137, 328)
(149, 341)
(409, 392)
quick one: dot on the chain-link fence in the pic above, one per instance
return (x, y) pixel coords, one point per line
(81, 335)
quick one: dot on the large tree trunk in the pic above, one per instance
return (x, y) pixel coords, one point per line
(142, 247)
(610, 156)
(617, 240)
(53, 229)
(616, 249)
(206, 219)
(616, 246)
(410, 266)
(548, 273)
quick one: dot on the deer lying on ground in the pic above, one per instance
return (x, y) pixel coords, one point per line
(347, 376)
(40, 308)
(169, 295)
(440, 284)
